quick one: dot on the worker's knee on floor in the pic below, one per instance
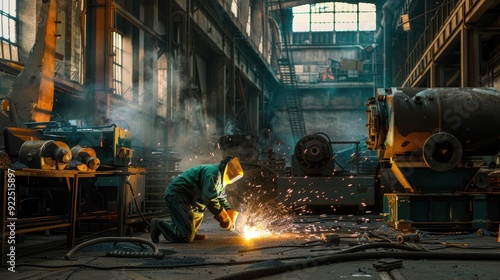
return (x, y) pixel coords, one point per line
(186, 239)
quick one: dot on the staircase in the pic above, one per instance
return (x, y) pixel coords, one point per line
(288, 80)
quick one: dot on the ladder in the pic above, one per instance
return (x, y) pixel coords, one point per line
(288, 79)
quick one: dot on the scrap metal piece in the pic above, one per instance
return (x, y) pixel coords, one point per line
(388, 264)
(330, 239)
(412, 237)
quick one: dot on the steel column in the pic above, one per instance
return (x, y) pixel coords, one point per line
(98, 59)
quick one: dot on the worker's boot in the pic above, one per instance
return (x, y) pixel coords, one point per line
(154, 231)
(200, 237)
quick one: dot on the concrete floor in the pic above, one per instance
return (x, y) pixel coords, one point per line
(298, 254)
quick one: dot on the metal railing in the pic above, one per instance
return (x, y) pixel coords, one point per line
(435, 38)
(423, 44)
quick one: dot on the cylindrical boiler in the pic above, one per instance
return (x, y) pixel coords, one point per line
(443, 123)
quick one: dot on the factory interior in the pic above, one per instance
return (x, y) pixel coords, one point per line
(368, 132)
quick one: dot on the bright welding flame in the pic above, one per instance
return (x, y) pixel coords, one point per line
(264, 221)
(257, 231)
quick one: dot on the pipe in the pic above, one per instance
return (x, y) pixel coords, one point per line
(156, 251)
(412, 237)
(122, 254)
(313, 262)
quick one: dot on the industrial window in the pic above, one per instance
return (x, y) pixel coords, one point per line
(162, 86)
(322, 17)
(367, 17)
(235, 6)
(346, 17)
(249, 21)
(8, 38)
(117, 62)
(334, 16)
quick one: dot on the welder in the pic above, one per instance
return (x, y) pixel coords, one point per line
(188, 196)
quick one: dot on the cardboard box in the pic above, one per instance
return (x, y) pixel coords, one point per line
(351, 64)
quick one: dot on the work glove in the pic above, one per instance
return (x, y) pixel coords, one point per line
(233, 214)
(224, 220)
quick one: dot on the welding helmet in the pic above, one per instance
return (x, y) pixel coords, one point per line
(232, 171)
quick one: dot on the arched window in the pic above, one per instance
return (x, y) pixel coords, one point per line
(334, 16)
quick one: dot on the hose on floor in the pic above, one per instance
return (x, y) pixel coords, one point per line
(156, 252)
(346, 257)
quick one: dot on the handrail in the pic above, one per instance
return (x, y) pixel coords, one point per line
(428, 43)
(425, 42)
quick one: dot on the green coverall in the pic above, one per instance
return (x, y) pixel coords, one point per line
(188, 196)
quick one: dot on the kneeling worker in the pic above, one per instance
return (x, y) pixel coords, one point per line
(191, 193)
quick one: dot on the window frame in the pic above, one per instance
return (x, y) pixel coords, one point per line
(8, 30)
(117, 62)
(304, 19)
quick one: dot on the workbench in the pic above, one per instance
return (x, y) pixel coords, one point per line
(68, 179)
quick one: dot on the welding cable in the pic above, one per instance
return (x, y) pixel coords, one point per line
(376, 245)
(163, 266)
(458, 246)
(383, 245)
(336, 258)
(60, 244)
(137, 204)
(51, 200)
(277, 246)
(156, 251)
(303, 245)
(371, 234)
(142, 267)
(102, 196)
(308, 263)
(321, 219)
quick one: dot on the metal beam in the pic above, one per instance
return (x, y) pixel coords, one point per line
(32, 93)
(141, 25)
(98, 61)
(274, 4)
(401, 178)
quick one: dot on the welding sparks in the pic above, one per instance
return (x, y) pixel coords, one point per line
(264, 224)
(264, 220)
(256, 231)
(262, 214)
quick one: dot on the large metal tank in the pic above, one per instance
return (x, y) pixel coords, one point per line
(433, 145)
(443, 125)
